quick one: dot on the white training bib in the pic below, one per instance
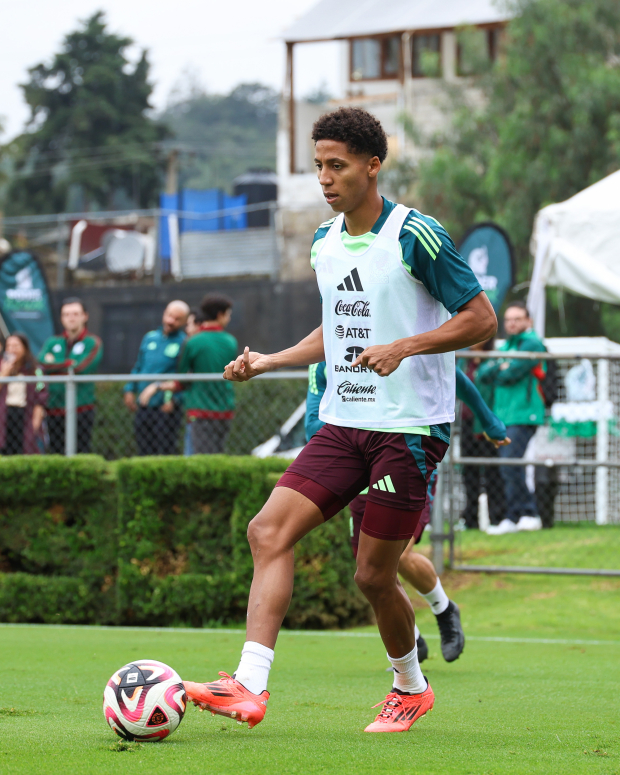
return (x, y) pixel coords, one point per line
(371, 299)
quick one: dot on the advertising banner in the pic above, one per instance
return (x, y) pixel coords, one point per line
(487, 249)
(24, 298)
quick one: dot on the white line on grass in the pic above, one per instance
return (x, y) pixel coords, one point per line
(313, 633)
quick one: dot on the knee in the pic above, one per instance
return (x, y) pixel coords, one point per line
(259, 534)
(264, 537)
(372, 581)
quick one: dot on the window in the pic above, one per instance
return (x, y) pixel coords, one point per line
(375, 58)
(426, 56)
(477, 49)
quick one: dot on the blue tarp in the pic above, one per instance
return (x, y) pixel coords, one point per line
(204, 201)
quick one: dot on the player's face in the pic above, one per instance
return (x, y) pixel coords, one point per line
(345, 177)
(173, 320)
(516, 321)
(73, 318)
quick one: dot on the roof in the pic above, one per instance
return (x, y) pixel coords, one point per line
(329, 20)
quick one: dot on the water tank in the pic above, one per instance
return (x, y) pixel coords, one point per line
(258, 186)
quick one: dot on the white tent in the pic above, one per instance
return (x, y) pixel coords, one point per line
(576, 245)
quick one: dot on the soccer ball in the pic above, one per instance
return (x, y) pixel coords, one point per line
(144, 700)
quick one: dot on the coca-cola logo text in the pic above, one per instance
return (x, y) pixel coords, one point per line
(356, 309)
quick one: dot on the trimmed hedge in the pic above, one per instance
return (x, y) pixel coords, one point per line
(58, 550)
(154, 541)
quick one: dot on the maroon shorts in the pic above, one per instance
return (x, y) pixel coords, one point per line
(338, 463)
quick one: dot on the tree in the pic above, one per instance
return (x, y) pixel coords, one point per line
(222, 136)
(549, 126)
(90, 142)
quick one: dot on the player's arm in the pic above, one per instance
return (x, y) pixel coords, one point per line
(430, 256)
(512, 371)
(476, 322)
(317, 383)
(494, 429)
(250, 364)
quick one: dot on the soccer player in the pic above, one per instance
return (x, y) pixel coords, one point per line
(389, 279)
(414, 567)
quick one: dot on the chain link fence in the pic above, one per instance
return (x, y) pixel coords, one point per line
(570, 468)
(571, 465)
(108, 428)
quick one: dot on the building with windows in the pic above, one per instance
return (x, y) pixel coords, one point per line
(396, 57)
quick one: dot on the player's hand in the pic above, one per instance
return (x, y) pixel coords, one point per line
(148, 393)
(383, 359)
(168, 407)
(130, 401)
(246, 366)
(497, 443)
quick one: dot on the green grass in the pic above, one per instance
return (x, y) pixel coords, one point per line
(583, 545)
(503, 707)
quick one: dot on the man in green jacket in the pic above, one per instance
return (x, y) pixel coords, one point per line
(209, 406)
(519, 402)
(75, 348)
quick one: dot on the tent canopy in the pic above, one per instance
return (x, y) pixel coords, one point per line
(576, 245)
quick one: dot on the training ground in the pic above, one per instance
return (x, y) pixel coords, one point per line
(536, 691)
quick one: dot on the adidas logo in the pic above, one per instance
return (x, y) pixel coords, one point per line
(384, 484)
(351, 282)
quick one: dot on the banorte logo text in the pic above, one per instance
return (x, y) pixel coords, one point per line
(356, 309)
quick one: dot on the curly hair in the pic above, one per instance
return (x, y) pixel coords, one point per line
(358, 128)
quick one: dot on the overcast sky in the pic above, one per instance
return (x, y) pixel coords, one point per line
(223, 43)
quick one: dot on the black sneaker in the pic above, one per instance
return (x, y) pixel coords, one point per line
(451, 632)
(422, 649)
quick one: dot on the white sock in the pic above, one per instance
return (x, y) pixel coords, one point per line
(407, 674)
(436, 598)
(417, 633)
(253, 670)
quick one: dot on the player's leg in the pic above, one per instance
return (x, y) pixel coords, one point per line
(357, 508)
(377, 576)
(420, 573)
(286, 518)
(297, 505)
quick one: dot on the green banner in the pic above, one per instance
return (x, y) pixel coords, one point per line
(487, 249)
(24, 298)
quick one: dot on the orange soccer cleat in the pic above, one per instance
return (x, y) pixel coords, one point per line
(401, 710)
(227, 697)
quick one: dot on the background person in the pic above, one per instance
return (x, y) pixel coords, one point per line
(21, 404)
(519, 402)
(158, 414)
(82, 350)
(209, 406)
(475, 444)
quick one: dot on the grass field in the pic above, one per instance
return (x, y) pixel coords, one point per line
(581, 545)
(536, 691)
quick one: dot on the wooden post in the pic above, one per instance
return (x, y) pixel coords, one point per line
(172, 172)
(290, 93)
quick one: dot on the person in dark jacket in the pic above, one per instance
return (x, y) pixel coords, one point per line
(474, 443)
(21, 404)
(158, 413)
(209, 406)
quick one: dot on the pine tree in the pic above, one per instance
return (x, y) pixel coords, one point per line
(90, 142)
